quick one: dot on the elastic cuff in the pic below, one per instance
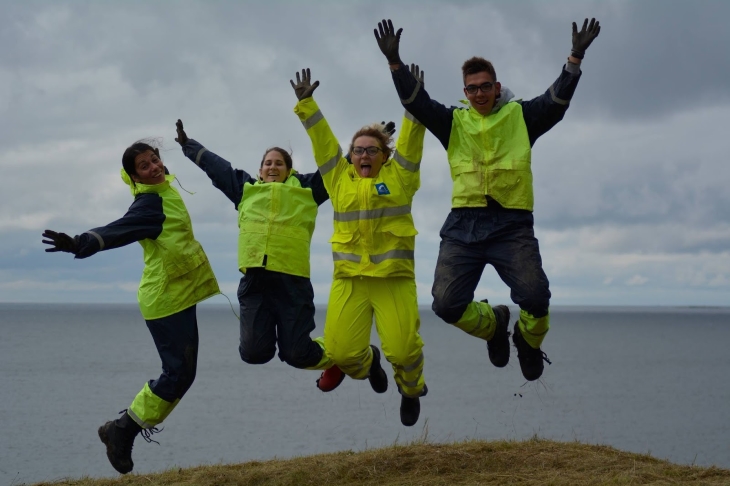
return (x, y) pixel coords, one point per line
(572, 68)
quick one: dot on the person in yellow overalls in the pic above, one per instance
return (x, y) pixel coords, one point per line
(176, 277)
(373, 249)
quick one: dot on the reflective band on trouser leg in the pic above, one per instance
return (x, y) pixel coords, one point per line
(534, 328)
(410, 377)
(148, 409)
(478, 320)
(325, 362)
(395, 301)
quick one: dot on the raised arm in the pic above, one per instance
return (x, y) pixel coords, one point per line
(229, 180)
(545, 111)
(327, 151)
(143, 220)
(414, 98)
(409, 146)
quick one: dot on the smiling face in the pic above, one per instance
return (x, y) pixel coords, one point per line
(366, 165)
(483, 102)
(148, 168)
(273, 168)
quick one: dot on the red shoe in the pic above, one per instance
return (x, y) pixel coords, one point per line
(330, 379)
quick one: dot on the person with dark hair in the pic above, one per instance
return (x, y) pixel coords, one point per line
(276, 217)
(176, 277)
(373, 249)
(489, 147)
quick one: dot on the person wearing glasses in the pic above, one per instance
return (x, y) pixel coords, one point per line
(276, 217)
(488, 146)
(372, 246)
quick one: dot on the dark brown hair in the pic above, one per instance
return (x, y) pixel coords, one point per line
(478, 65)
(132, 152)
(284, 153)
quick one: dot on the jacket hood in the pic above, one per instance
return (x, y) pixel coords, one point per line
(505, 96)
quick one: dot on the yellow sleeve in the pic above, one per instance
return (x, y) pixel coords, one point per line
(408, 152)
(327, 151)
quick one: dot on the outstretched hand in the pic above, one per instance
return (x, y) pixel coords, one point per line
(388, 41)
(304, 88)
(583, 39)
(387, 128)
(60, 242)
(182, 137)
(418, 74)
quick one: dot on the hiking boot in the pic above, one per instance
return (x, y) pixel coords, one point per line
(498, 346)
(530, 358)
(118, 436)
(377, 377)
(330, 379)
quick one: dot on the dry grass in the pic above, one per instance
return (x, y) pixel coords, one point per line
(532, 462)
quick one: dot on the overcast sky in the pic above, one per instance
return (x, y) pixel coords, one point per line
(632, 205)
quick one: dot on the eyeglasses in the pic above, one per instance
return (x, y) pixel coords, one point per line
(484, 88)
(372, 151)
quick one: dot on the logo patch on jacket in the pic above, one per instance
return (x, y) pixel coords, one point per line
(382, 189)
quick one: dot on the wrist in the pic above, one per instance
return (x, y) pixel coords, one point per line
(574, 60)
(394, 66)
(577, 54)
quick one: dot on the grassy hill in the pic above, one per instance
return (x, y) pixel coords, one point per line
(532, 462)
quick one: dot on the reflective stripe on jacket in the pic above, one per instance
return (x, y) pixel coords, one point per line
(490, 156)
(276, 221)
(374, 234)
(177, 273)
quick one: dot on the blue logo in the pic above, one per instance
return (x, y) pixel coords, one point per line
(382, 189)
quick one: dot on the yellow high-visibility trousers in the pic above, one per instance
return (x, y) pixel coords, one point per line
(353, 303)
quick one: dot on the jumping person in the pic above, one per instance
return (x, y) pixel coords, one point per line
(373, 247)
(489, 151)
(176, 276)
(276, 216)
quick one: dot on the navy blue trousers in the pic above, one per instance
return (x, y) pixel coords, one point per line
(176, 338)
(472, 238)
(277, 308)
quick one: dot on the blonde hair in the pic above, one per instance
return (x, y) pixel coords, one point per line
(375, 130)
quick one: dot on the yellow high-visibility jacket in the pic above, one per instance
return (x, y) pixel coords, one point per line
(176, 272)
(374, 234)
(276, 221)
(490, 155)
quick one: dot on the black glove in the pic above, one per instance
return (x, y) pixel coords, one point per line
(418, 74)
(583, 39)
(388, 41)
(387, 128)
(182, 137)
(304, 89)
(60, 242)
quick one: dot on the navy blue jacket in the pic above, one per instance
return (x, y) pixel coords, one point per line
(231, 181)
(540, 113)
(143, 219)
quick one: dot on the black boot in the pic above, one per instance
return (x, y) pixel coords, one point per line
(410, 408)
(118, 436)
(530, 358)
(498, 346)
(377, 377)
